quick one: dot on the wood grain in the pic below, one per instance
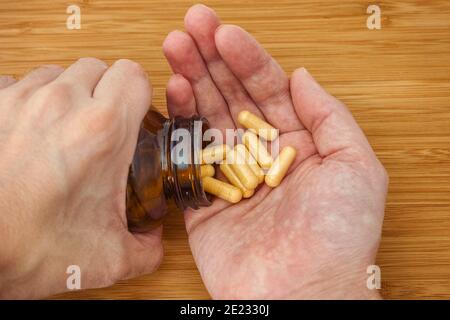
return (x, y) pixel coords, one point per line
(395, 80)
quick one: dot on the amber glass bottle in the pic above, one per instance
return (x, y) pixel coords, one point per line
(159, 173)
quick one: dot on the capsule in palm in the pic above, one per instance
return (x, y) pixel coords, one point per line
(261, 127)
(222, 189)
(280, 166)
(215, 154)
(207, 170)
(234, 180)
(257, 149)
(242, 170)
(250, 160)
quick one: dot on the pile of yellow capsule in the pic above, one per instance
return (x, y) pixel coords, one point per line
(246, 165)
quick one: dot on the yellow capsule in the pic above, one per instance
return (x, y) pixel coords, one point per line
(242, 170)
(280, 166)
(250, 160)
(207, 170)
(222, 189)
(262, 128)
(234, 180)
(215, 154)
(257, 149)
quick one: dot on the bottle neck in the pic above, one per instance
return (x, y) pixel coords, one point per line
(181, 145)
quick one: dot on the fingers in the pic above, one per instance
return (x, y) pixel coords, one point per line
(180, 97)
(6, 81)
(185, 59)
(84, 75)
(201, 23)
(125, 84)
(36, 79)
(260, 74)
(332, 126)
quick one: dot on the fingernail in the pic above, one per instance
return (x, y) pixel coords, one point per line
(305, 71)
(309, 75)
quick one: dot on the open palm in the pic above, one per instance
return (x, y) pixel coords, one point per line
(314, 235)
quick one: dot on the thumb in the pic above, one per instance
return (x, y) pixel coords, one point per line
(144, 252)
(333, 128)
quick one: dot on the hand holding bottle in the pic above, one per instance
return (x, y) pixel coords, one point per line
(67, 139)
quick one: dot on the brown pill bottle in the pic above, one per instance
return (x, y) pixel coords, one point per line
(160, 173)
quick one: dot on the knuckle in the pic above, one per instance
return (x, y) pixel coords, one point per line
(56, 93)
(47, 105)
(92, 61)
(44, 73)
(101, 127)
(52, 68)
(104, 127)
(131, 67)
(101, 119)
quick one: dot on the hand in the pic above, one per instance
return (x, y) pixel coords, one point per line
(315, 235)
(67, 139)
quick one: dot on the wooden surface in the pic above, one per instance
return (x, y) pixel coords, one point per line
(395, 80)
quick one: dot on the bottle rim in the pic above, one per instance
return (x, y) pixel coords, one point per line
(183, 180)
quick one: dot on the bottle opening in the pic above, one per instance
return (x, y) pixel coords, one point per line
(182, 146)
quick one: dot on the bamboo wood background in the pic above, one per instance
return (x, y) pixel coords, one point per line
(395, 80)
